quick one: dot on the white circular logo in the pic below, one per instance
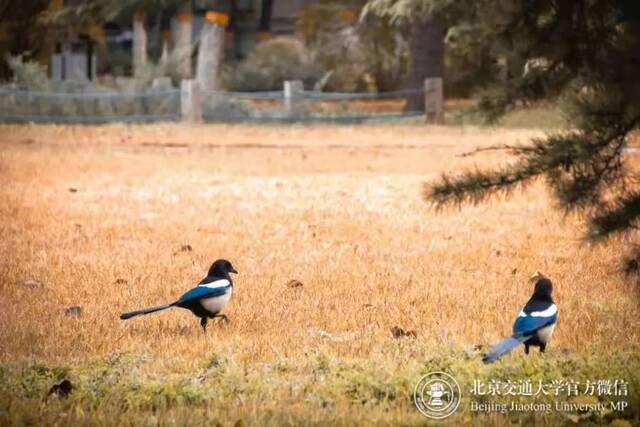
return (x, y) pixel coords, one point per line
(437, 395)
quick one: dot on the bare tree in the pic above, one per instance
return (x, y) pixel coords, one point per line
(139, 42)
(210, 52)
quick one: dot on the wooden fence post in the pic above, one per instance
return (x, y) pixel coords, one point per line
(190, 105)
(433, 100)
(292, 94)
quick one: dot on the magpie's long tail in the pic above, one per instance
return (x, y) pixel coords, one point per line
(504, 347)
(130, 314)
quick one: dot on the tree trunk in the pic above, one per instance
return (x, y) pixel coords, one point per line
(182, 39)
(166, 36)
(89, 52)
(164, 56)
(427, 49)
(265, 16)
(211, 51)
(139, 43)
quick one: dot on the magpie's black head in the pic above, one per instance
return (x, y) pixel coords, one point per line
(543, 289)
(221, 268)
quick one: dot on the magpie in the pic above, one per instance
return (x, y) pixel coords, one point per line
(205, 300)
(533, 326)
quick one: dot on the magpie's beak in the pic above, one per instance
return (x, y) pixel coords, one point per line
(233, 270)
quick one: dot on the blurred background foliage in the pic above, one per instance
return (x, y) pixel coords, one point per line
(356, 55)
(271, 63)
(335, 47)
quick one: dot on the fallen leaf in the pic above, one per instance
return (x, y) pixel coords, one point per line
(74, 310)
(398, 332)
(31, 284)
(183, 248)
(294, 284)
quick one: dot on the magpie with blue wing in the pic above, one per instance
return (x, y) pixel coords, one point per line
(533, 326)
(206, 300)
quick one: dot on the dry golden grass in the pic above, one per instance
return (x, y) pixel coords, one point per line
(337, 208)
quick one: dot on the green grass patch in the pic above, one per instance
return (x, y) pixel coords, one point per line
(128, 389)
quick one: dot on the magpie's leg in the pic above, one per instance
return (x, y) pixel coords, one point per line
(543, 347)
(526, 348)
(203, 323)
(222, 317)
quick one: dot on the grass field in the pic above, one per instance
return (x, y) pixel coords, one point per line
(119, 217)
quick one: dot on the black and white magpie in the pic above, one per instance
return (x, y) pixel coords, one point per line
(533, 326)
(206, 300)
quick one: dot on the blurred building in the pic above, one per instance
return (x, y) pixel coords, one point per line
(79, 53)
(74, 60)
(255, 20)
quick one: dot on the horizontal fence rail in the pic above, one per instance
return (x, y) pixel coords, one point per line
(88, 95)
(292, 105)
(346, 96)
(89, 107)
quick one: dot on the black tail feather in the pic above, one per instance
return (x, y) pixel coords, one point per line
(130, 314)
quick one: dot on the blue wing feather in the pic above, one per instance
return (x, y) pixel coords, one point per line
(525, 325)
(202, 291)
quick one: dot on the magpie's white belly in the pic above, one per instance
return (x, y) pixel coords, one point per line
(544, 334)
(215, 304)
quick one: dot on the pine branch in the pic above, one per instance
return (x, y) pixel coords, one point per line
(583, 53)
(541, 157)
(619, 217)
(477, 186)
(582, 185)
(511, 148)
(576, 164)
